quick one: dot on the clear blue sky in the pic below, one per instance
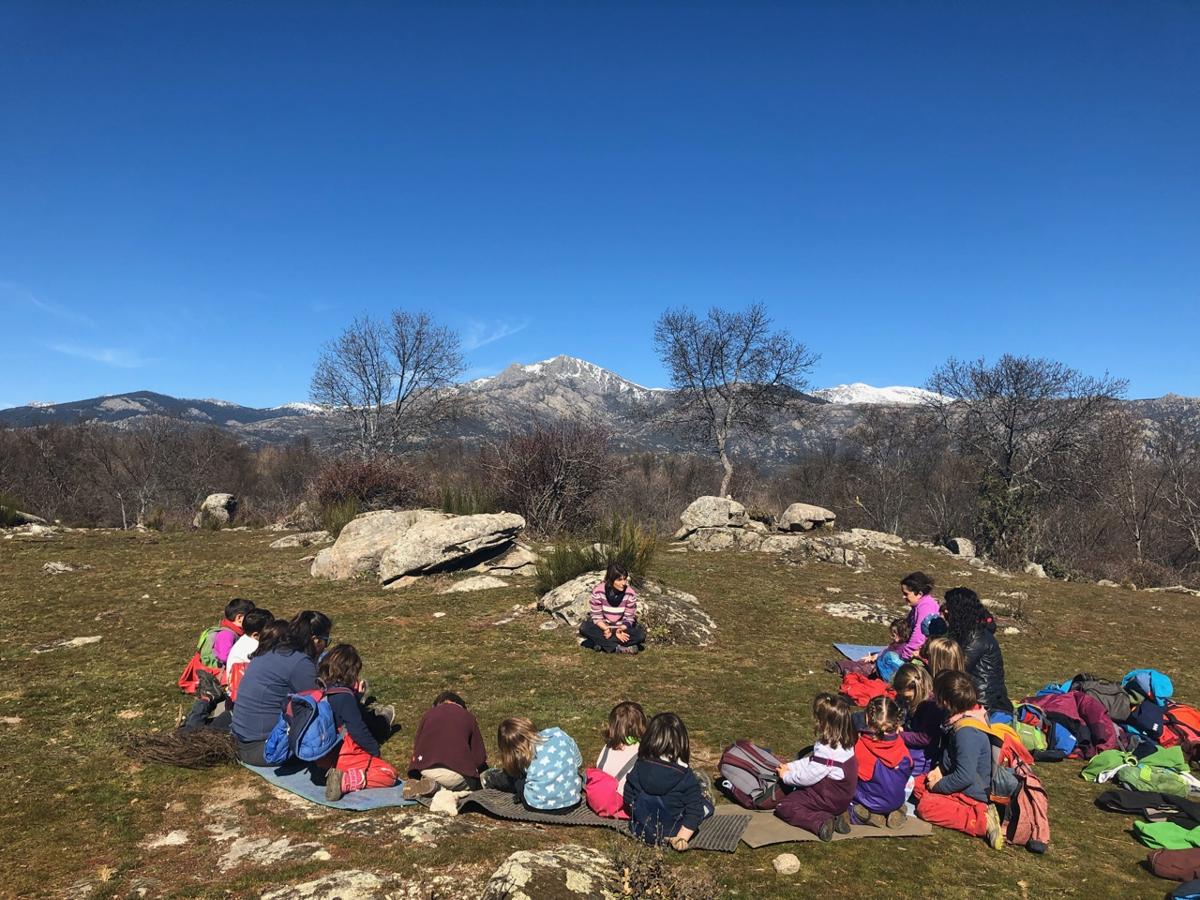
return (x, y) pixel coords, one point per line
(194, 196)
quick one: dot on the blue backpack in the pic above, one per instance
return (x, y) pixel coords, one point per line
(1150, 683)
(306, 729)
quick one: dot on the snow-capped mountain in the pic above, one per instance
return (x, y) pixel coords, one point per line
(860, 393)
(579, 372)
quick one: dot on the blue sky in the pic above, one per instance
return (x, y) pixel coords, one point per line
(195, 196)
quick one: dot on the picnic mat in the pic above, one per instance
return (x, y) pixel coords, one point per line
(856, 651)
(766, 828)
(301, 781)
(720, 832)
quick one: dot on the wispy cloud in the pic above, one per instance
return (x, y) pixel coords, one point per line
(480, 334)
(108, 356)
(14, 293)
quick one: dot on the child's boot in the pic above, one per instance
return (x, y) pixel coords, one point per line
(896, 818)
(842, 823)
(333, 785)
(825, 832)
(864, 816)
(420, 787)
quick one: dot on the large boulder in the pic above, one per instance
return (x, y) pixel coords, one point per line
(838, 549)
(805, 517)
(566, 872)
(301, 517)
(363, 541)
(670, 616)
(518, 560)
(459, 542)
(961, 546)
(217, 511)
(712, 512)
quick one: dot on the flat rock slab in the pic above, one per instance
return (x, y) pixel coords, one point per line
(433, 546)
(303, 539)
(569, 871)
(475, 583)
(365, 539)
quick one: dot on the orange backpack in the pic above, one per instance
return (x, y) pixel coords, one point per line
(1181, 724)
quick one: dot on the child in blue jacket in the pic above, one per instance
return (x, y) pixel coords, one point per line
(665, 798)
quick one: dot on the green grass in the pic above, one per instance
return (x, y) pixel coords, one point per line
(79, 810)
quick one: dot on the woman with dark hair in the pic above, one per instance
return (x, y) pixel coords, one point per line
(612, 624)
(973, 627)
(917, 590)
(287, 667)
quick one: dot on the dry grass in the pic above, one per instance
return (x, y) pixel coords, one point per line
(63, 713)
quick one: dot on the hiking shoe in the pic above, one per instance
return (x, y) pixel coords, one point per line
(421, 787)
(825, 832)
(387, 713)
(831, 665)
(627, 648)
(896, 818)
(842, 823)
(706, 787)
(865, 817)
(208, 688)
(994, 833)
(333, 785)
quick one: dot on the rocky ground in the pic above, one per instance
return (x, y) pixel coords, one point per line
(100, 623)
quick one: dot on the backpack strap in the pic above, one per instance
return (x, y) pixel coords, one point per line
(627, 768)
(603, 757)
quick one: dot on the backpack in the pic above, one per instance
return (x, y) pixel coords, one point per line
(601, 792)
(1007, 754)
(1181, 724)
(749, 776)
(1029, 722)
(1149, 683)
(1027, 818)
(204, 646)
(306, 729)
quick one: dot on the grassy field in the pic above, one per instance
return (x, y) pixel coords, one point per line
(81, 816)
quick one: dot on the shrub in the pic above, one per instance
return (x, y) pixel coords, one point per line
(337, 515)
(372, 484)
(564, 562)
(621, 541)
(643, 872)
(8, 511)
(157, 519)
(467, 502)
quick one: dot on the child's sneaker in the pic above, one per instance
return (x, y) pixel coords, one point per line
(825, 832)
(896, 818)
(333, 785)
(994, 833)
(387, 713)
(865, 817)
(421, 787)
(842, 823)
(208, 688)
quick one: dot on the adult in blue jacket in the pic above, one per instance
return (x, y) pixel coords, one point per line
(276, 670)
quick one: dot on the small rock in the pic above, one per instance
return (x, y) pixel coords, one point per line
(304, 539)
(65, 644)
(961, 546)
(548, 625)
(1104, 582)
(57, 568)
(10, 720)
(170, 839)
(476, 583)
(1011, 630)
(1037, 570)
(322, 856)
(129, 714)
(786, 863)
(439, 615)
(833, 590)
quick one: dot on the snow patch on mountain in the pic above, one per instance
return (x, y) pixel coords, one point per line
(860, 393)
(301, 406)
(123, 404)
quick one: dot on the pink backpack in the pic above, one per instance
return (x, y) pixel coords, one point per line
(600, 788)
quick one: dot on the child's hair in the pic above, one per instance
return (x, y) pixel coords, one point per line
(304, 627)
(627, 720)
(615, 570)
(238, 607)
(666, 737)
(883, 715)
(913, 675)
(272, 635)
(341, 666)
(918, 583)
(835, 721)
(256, 620)
(449, 697)
(943, 654)
(516, 739)
(900, 629)
(955, 691)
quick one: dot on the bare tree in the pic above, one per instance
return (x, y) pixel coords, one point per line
(1176, 445)
(391, 381)
(730, 372)
(1026, 420)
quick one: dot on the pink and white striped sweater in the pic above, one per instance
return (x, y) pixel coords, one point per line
(607, 615)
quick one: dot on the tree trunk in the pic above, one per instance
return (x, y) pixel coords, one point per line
(727, 465)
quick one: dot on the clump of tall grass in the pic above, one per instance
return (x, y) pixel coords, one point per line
(467, 502)
(621, 541)
(337, 515)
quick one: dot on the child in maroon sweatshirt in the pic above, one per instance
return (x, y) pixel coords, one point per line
(448, 749)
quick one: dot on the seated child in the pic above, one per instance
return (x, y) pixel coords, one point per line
(622, 737)
(825, 780)
(448, 749)
(884, 767)
(941, 654)
(956, 793)
(882, 664)
(239, 654)
(208, 665)
(357, 764)
(540, 767)
(665, 798)
(923, 718)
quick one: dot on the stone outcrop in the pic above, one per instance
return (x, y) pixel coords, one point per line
(17, 517)
(518, 561)
(713, 512)
(805, 517)
(303, 539)
(669, 615)
(475, 583)
(433, 546)
(364, 540)
(567, 871)
(217, 511)
(961, 546)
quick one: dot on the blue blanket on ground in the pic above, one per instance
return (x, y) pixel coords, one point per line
(309, 782)
(856, 651)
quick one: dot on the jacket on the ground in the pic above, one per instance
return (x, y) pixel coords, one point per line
(1094, 730)
(985, 664)
(663, 797)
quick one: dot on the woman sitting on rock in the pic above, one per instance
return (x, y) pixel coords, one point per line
(974, 628)
(612, 624)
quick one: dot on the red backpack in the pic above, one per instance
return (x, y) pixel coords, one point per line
(1181, 724)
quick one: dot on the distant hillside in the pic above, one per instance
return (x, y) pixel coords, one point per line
(522, 394)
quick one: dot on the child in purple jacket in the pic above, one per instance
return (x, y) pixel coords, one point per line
(824, 781)
(884, 767)
(921, 730)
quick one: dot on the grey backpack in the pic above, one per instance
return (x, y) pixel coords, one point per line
(749, 777)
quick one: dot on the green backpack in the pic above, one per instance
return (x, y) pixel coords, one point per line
(204, 646)
(1031, 736)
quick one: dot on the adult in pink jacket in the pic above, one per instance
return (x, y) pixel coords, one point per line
(917, 590)
(612, 624)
